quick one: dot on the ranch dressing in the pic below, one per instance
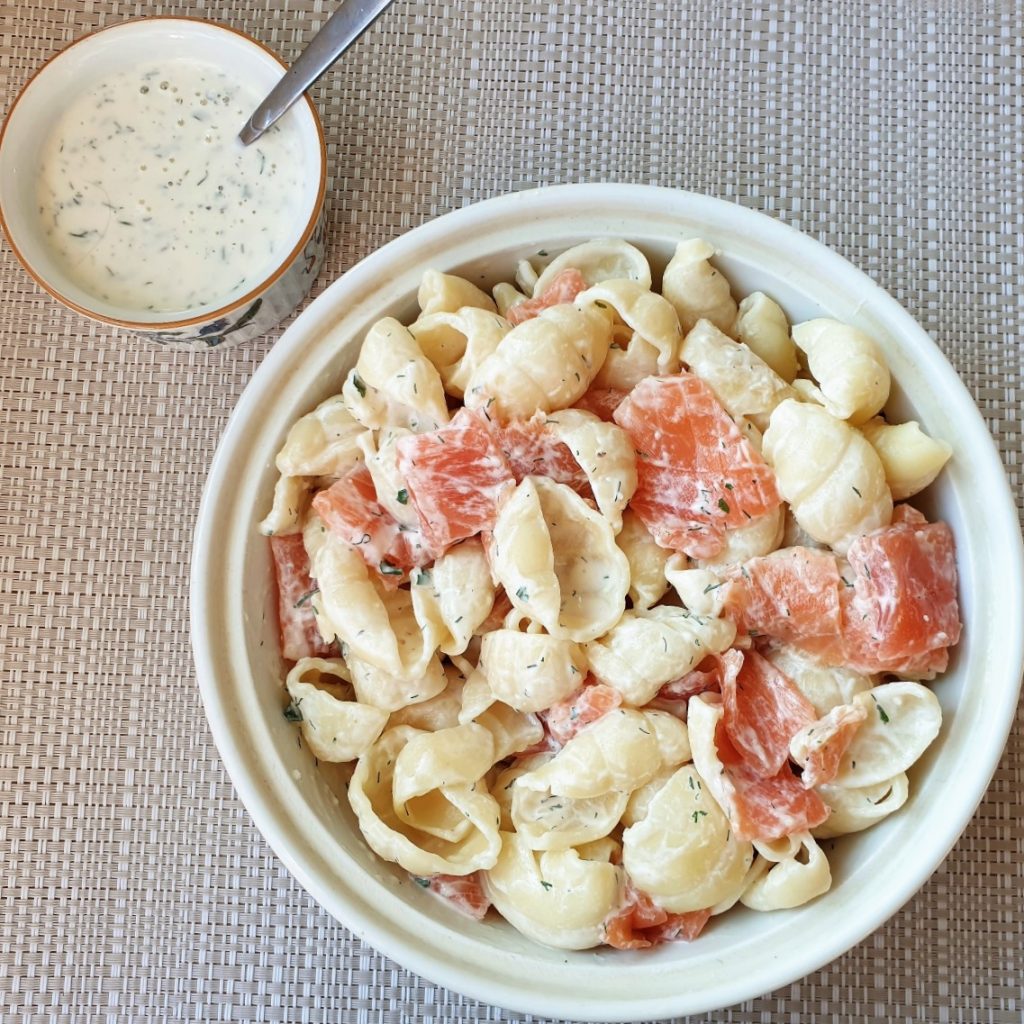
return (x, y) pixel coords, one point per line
(149, 201)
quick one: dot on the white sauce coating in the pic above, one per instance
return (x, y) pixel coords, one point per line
(149, 201)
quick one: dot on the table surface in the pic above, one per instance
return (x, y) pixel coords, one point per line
(134, 884)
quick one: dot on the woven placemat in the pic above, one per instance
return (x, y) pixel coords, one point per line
(133, 884)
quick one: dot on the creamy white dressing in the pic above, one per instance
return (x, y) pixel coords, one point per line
(149, 202)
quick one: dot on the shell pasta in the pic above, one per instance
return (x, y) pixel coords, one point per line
(611, 597)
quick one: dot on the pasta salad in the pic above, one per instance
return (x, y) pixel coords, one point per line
(612, 597)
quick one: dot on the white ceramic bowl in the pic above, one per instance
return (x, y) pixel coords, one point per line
(81, 66)
(744, 954)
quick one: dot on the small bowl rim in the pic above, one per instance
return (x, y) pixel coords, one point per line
(262, 791)
(159, 326)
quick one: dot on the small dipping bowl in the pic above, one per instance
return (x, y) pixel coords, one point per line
(103, 196)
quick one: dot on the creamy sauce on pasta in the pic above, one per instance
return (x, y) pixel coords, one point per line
(631, 828)
(149, 201)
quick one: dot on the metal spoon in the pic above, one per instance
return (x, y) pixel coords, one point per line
(341, 30)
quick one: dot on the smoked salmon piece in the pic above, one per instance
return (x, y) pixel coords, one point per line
(907, 514)
(902, 615)
(697, 474)
(705, 678)
(679, 927)
(819, 747)
(589, 703)
(533, 449)
(496, 617)
(456, 476)
(350, 509)
(762, 711)
(602, 402)
(642, 923)
(564, 287)
(893, 608)
(300, 637)
(464, 892)
(791, 595)
(764, 808)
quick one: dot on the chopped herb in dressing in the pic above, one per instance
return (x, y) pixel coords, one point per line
(147, 199)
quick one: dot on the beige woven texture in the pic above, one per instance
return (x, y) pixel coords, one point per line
(134, 885)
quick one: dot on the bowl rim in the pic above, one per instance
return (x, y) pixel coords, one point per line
(159, 326)
(269, 811)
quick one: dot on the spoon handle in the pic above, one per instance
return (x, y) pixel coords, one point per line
(339, 32)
